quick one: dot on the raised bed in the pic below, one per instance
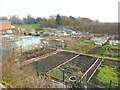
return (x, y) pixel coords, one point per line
(111, 64)
(114, 52)
(77, 67)
(97, 50)
(94, 51)
(53, 61)
(35, 53)
(83, 62)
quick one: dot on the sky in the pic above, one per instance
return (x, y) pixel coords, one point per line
(103, 10)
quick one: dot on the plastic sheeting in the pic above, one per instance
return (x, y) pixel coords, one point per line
(27, 43)
(68, 31)
(98, 39)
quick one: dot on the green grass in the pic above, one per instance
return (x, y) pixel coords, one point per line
(58, 73)
(32, 26)
(99, 56)
(69, 70)
(93, 55)
(72, 51)
(107, 73)
(114, 47)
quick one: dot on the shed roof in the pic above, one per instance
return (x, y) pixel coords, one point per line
(5, 25)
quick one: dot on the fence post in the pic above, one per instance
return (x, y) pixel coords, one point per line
(110, 84)
(63, 76)
(36, 63)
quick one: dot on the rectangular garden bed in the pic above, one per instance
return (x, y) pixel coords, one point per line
(114, 53)
(76, 67)
(44, 65)
(109, 70)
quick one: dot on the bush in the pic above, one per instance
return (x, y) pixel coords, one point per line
(37, 35)
(39, 29)
(21, 78)
(29, 34)
(25, 33)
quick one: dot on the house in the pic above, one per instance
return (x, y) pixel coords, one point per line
(6, 28)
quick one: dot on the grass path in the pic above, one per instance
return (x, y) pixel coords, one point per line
(93, 55)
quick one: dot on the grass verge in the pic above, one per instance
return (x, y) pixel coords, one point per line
(93, 55)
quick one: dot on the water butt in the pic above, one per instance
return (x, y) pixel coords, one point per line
(72, 80)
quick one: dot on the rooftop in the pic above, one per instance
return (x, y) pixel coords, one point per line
(5, 25)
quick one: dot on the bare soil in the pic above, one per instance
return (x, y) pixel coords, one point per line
(83, 62)
(94, 51)
(35, 53)
(53, 61)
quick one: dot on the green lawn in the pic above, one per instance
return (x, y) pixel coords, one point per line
(107, 73)
(32, 26)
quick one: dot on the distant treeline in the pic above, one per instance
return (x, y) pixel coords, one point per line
(78, 24)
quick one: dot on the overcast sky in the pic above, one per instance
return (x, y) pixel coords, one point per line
(103, 10)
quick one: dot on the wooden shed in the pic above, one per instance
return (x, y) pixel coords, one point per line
(6, 26)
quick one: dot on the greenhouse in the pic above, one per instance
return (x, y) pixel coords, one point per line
(27, 43)
(67, 31)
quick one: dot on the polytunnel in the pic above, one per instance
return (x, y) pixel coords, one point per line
(27, 43)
